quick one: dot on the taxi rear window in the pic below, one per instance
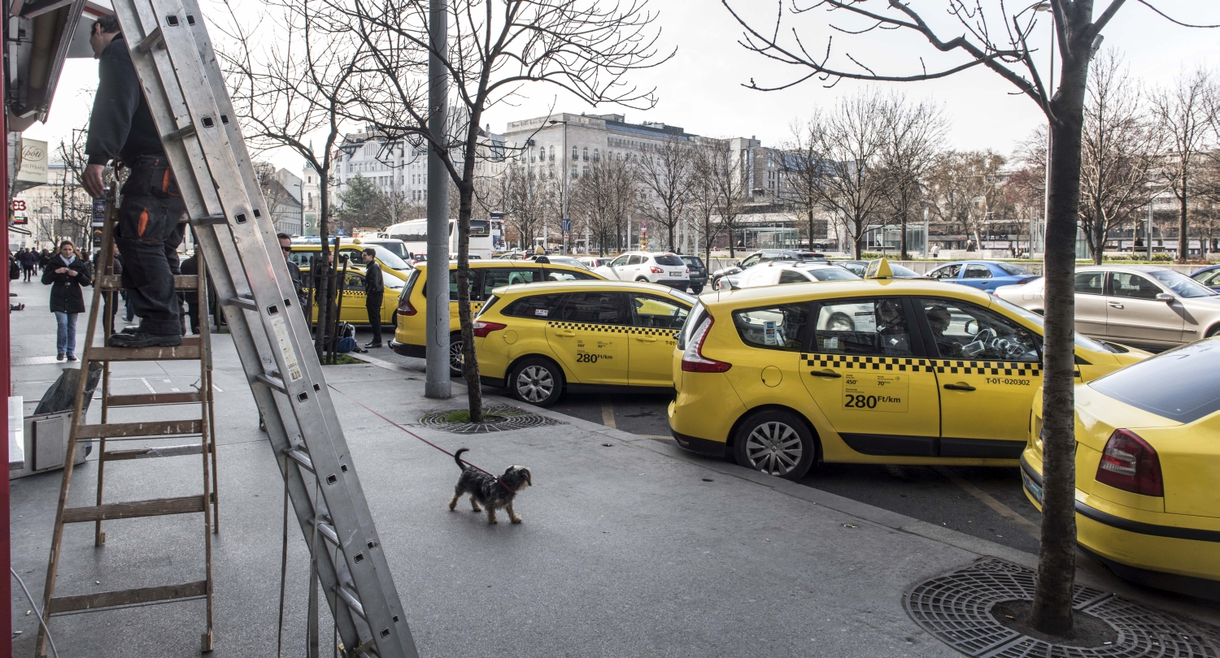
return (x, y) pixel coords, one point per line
(1179, 384)
(774, 328)
(539, 307)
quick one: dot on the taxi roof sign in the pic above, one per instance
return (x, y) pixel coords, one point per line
(879, 269)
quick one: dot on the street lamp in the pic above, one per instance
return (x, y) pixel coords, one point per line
(563, 221)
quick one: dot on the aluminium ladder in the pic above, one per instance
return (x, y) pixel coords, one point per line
(186, 93)
(192, 348)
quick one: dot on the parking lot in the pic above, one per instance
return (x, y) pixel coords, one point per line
(984, 502)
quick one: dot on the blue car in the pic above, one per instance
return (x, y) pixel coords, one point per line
(982, 274)
(1208, 276)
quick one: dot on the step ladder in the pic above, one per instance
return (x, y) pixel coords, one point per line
(186, 92)
(200, 429)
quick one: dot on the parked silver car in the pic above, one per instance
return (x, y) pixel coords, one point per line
(1139, 305)
(777, 272)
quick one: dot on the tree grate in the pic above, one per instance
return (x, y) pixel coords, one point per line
(956, 608)
(501, 418)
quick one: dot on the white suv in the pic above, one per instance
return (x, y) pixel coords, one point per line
(665, 269)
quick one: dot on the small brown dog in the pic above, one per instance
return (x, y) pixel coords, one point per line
(490, 492)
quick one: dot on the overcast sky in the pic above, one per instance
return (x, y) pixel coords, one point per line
(700, 88)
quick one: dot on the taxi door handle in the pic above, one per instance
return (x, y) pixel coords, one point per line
(959, 387)
(646, 339)
(1113, 305)
(566, 334)
(825, 373)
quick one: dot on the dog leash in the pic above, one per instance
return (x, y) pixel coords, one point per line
(375, 413)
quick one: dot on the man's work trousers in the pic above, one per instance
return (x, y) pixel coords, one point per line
(148, 236)
(373, 305)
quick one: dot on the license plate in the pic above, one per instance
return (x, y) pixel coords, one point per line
(675, 273)
(1031, 486)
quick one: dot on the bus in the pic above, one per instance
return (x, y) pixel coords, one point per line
(415, 234)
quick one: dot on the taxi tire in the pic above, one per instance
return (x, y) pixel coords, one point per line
(542, 369)
(761, 428)
(455, 354)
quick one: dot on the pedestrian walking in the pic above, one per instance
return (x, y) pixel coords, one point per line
(44, 257)
(374, 289)
(121, 128)
(29, 263)
(66, 273)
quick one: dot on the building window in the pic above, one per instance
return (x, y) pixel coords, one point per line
(552, 158)
(575, 155)
(574, 174)
(552, 171)
(596, 156)
(586, 158)
(585, 171)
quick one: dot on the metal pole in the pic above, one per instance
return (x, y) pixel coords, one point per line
(1148, 237)
(927, 241)
(563, 221)
(437, 383)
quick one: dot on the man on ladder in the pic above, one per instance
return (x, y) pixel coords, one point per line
(148, 232)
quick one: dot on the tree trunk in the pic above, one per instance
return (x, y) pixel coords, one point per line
(902, 250)
(322, 278)
(1183, 242)
(470, 363)
(1052, 607)
(811, 228)
(1099, 236)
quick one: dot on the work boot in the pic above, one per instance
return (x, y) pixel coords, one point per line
(142, 339)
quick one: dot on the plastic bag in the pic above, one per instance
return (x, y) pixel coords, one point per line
(61, 396)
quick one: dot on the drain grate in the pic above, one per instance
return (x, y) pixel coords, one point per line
(956, 608)
(502, 418)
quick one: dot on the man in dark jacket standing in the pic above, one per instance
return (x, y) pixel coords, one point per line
(66, 273)
(121, 127)
(374, 288)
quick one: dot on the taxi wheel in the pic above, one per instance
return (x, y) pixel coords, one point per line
(455, 354)
(696, 289)
(776, 442)
(537, 381)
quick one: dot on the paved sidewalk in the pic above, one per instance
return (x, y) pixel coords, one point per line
(630, 546)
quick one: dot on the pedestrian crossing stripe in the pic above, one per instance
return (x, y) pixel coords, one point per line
(614, 329)
(914, 364)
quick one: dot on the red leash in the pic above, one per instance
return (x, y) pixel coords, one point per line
(368, 409)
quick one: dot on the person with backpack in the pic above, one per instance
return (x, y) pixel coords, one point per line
(66, 273)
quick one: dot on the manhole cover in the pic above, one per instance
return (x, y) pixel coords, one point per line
(956, 608)
(502, 418)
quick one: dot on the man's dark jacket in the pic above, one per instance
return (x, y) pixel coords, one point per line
(373, 284)
(66, 294)
(121, 125)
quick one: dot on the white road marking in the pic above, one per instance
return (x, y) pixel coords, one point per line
(147, 385)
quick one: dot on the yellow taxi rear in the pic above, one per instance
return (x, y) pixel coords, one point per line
(1147, 468)
(352, 300)
(882, 371)
(541, 339)
(485, 276)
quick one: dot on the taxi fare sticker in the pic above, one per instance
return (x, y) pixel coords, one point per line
(875, 392)
(588, 357)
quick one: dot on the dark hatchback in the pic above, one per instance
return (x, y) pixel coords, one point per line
(698, 273)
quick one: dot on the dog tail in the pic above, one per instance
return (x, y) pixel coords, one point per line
(457, 457)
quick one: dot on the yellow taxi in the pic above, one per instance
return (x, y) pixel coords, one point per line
(1147, 468)
(352, 300)
(485, 276)
(538, 340)
(350, 250)
(878, 371)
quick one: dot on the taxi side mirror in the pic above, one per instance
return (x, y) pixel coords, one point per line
(1164, 297)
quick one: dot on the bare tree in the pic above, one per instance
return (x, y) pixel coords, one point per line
(996, 38)
(607, 195)
(495, 49)
(724, 169)
(665, 173)
(1182, 112)
(801, 167)
(850, 141)
(911, 137)
(966, 190)
(527, 197)
(75, 204)
(293, 87)
(705, 199)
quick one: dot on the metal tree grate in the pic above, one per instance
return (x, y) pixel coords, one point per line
(956, 608)
(502, 418)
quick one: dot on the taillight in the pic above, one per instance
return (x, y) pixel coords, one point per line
(656, 270)
(692, 357)
(688, 270)
(481, 329)
(1130, 464)
(404, 306)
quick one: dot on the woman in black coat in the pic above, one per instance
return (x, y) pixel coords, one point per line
(66, 272)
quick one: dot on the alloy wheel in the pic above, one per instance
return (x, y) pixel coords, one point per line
(535, 384)
(774, 448)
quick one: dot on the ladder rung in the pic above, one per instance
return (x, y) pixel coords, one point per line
(273, 380)
(153, 40)
(242, 302)
(115, 282)
(102, 600)
(328, 532)
(152, 453)
(349, 597)
(156, 507)
(151, 399)
(210, 220)
(179, 134)
(154, 428)
(184, 352)
(299, 456)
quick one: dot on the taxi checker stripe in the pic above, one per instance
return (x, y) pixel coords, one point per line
(611, 328)
(905, 364)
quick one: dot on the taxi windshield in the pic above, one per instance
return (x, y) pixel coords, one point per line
(1081, 341)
